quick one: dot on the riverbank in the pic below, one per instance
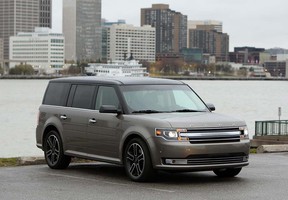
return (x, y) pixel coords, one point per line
(228, 78)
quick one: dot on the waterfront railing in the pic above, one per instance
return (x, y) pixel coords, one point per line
(273, 128)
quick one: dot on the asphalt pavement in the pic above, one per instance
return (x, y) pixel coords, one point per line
(265, 178)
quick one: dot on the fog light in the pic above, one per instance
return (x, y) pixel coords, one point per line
(176, 161)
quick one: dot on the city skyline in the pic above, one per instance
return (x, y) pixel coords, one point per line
(258, 23)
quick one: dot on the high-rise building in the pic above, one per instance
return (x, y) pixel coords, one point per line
(105, 27)
(211, 40)
(1, 54)
(216, 25)
(20, 16)
(211, 24)
(124, 41)
(171, 27)
(45, 13)
(82, 29)
(42, 49)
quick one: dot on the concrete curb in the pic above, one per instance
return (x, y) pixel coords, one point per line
(31, 160)
(272, 148)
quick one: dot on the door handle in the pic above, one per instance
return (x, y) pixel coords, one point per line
(92, 121)
(63, 117)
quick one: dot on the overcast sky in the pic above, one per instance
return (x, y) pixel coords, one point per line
(259, 23)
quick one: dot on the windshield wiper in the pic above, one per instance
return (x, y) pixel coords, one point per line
(146, 111)
(187, 110)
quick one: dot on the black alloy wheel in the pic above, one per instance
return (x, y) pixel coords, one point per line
(53, 151)
(137, 161)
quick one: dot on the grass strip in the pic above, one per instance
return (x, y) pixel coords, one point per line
(9, 162)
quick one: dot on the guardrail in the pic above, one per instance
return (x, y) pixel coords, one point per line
(273, 128)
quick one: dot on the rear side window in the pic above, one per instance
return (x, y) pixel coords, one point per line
(56, 94)
(83, 96)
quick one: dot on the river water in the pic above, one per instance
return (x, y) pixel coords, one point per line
(248, 100)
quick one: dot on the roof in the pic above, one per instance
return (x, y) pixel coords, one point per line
(119, 80)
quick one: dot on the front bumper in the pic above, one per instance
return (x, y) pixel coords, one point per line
(175, 155)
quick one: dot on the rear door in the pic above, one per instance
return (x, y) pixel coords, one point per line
(76, 116)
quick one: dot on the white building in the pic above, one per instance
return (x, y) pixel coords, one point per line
(124, 40)
(42, 49)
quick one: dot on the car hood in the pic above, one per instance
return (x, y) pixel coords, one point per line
(197, 120)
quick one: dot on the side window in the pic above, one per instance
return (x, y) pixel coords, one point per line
(83, 96)
(56, 94)
(106, 96)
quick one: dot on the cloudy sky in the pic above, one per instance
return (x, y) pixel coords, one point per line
(259, 23)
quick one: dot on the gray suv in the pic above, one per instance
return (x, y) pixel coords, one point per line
(144, 124)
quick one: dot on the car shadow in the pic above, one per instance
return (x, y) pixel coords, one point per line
(117, 173)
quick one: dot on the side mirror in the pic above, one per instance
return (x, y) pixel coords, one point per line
(109, 109)
(211, 106)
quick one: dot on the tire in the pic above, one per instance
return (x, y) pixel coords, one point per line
(53, 151)
(137, 161)
(228, 172)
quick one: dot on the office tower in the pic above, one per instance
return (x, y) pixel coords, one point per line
(82, 30)
(211, 24)
(126, 40)
(42, 49)
(208, 38)
(171, 27)
(19, 16)
(45, 13)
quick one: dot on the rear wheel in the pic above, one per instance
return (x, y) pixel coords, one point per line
(53, 151)
(137, 161)
(227, 172)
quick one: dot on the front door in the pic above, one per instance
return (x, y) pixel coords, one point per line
(104, 129)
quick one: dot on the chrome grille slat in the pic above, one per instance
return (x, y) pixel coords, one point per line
(212, 135)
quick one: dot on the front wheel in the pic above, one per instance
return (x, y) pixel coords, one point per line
(54, 153)
(137, 161)
(227, 172)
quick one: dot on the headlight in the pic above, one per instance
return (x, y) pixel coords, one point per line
(170, 134)
(244, 134)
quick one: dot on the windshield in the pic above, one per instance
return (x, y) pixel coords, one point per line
(161, 98)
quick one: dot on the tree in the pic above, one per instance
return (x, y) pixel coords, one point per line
(74, 70)
(22, 69)
(1, 70)
(145, 64)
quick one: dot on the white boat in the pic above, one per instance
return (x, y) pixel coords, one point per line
(128, 68)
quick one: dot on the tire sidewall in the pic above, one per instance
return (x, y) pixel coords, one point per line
(148, 169)
(59, 164)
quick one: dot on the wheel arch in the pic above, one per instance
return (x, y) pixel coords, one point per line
(49, 128)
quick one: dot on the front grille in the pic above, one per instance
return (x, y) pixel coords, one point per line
(197, 136)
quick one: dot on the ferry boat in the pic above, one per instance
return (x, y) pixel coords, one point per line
(126, 68)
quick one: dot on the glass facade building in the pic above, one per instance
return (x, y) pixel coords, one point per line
(82, 30)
